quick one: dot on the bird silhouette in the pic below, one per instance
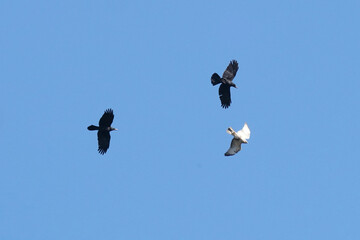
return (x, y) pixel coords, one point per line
(104, 130)
(226, 83)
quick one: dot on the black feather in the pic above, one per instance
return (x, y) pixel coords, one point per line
(225, 96)
(215, 79)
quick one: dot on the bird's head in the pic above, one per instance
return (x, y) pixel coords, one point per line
(233, 85)
(113, 129)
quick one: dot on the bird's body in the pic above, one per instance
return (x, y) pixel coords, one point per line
(226, 82)
(104, 130)
(240, 137)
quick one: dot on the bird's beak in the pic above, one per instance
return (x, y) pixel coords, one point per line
(115, 129)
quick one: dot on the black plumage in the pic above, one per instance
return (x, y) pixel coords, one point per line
(104, 130)
(226, 82)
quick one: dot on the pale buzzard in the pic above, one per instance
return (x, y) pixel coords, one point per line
(239, 137)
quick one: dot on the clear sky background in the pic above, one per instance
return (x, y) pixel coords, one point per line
(165, 176)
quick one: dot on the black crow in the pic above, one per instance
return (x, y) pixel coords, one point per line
(104, 130)
(226, 83)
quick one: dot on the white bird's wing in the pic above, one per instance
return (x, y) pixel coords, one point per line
(234, 147)
(244, 133)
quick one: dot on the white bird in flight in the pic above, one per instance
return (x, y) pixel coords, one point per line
(239, 137)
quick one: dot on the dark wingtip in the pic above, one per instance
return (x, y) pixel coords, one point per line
(235, 64)
(109, 110)
(101, 151)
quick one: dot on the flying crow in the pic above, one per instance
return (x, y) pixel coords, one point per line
(226, 83)
(104, 130)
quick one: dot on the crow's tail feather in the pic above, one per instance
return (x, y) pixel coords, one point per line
(215, 79)
(92, 127)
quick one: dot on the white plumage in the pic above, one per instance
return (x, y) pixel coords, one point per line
(239, 137)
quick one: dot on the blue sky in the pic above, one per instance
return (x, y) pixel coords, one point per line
(62, 63)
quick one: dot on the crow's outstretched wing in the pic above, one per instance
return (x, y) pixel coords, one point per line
(231, 70)
(107, 118)
(224, 94)
(103, 141)
(234, 147)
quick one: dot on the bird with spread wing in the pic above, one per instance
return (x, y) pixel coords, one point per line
(240, 137)
(104, 130)
(226, 82)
